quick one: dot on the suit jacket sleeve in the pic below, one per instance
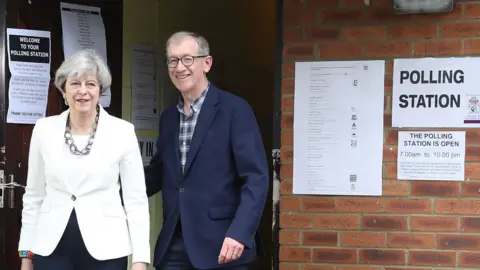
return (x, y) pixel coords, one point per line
(135, 199)
(34, 190)
(251, 163)
(153, 172)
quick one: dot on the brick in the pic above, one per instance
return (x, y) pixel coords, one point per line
(317, 267)
(413, 31)
(300, 18)
(472, 136)
(341, 51)
(391, 137)
(315, 204)
(411, 240)
(436, 48)
(472, 46)
(431, 258)
(287, 137)
(472, 154)
(321, 34)
(287, 121)
(286, 155)
(471, 189)
(289, 266)
(320, 238)
(358, 268)
(472, 170)
(303, 51)
(387, 120)
(292, 4)
(288, 70)
(390, 171)
(290, 204)
(288, 86)
(287, 104)
(469, 259)
(285, 187)
(362, 239)
(458, 241)
(385, 14)
(434, 188)
(457, 206)
(388, 84)
(434, 224)
(407, 268)
(288, 237)
(395, 188)
(470, 224)
(296, 221)
(384, 223)
(361, 33)
(337, 222)
(330, 255)
(360, 205)
(345, 16)
(295, 254)
(389, 49)
(292, 35)
(471, 11)
(460, 29)
(408, 206)
(456, 14)
(390, 153)
(286, 170)
(318, 4)
(382, 257)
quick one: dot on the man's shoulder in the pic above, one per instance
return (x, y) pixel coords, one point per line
(232, 101)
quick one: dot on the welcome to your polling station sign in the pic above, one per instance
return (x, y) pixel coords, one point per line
(436, 92)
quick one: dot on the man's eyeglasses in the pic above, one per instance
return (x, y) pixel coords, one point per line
(186, 60)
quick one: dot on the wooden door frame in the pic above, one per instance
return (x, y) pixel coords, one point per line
(3, 84)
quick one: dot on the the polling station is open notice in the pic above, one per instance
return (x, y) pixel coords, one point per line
(431, 155)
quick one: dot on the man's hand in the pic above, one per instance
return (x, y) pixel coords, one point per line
(231, 250)
(139, 266)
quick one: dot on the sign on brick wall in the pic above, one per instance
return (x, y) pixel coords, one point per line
(338, 119)
(436, 92)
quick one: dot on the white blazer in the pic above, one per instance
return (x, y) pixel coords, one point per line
(59, 181)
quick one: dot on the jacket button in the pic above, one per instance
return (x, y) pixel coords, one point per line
(181, 190)
(74, 198)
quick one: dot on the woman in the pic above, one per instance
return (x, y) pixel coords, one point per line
(73, 218)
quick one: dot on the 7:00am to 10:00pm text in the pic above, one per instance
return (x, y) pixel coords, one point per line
(450, 155)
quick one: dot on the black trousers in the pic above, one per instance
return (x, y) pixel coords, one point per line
(71, 254)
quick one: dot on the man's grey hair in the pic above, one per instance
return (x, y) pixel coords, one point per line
(203, 48)
(84, 63)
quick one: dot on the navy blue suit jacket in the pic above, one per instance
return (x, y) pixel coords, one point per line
(223, 190)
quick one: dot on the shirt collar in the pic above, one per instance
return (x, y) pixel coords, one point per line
(197, 104)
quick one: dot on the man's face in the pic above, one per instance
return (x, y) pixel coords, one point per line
(188, 75)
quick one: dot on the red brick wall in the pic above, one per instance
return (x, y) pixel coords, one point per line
(415, 225)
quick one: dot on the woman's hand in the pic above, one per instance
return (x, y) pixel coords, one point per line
(138, 266)
(27, 264)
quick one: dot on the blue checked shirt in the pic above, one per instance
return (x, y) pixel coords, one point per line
(188, 123)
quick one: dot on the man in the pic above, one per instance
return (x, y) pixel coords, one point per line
(211, 167)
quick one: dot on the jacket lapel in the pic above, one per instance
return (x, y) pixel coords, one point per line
(205, 119)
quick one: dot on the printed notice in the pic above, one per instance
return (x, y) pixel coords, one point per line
(29, 64)
(338, 133)
(147, 148)
(145, 109)
(436, 92)
(82, 28)
(431, 155)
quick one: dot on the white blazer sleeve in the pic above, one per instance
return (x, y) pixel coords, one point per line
(34, 190)
(135, 198)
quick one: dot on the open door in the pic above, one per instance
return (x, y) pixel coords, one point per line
(15, 138)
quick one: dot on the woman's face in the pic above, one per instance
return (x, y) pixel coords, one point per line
(82, 94)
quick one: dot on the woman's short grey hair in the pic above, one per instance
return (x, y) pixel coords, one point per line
(203, 48)
(84, 63)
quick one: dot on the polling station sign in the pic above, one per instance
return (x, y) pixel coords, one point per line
(436, 92)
